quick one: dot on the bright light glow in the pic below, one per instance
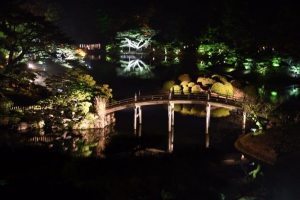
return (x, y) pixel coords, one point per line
(135, 67)
(230, 69)
(31, 66)
(81, 52)
(274, 93)
(294, 92)
(253, 130)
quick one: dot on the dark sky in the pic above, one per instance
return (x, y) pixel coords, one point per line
(184, 18)
(78, 16)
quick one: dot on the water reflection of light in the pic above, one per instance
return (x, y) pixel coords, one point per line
(136, 68)
(230, 69)
(246, 71)
(94, 57)
(294, 91)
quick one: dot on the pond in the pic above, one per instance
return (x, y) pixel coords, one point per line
(149, 163)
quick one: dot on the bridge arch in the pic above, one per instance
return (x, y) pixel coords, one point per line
(137, 101)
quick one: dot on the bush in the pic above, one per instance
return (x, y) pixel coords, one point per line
(222, 89)
(219, 88)
(196, 89)
(168, 85)
(177, 89)
(5, 105)
(205, 81)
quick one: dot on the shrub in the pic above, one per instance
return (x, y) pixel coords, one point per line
(196, 89)
(168, 85)
(205, 81)
(177, 89)
(219, 88)
(5, 104)
(222, 89)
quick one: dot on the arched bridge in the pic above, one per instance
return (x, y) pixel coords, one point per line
(208, 99)
(169, 98)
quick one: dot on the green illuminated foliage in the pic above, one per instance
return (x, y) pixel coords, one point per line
(222, 87)
(73, 91)
(213, 48)
(220, 112)
(136, 38)
(196, 89)
(191, 84)
(177, 107)
(184, 83)
(205, 81)
(219, 78)
(199, 110)
(177, 89)
(276, 61)
(186, 90)
(5, 104)
(23, 34)
(219, 88)
(231, 59)
(202, 65)
(168, 85)
(258, 105)
(186, 108)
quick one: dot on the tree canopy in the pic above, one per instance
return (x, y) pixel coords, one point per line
(22, 34)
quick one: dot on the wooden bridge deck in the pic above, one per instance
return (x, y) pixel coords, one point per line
(163, 98)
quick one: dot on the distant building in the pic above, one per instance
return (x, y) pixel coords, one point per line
(90, 46)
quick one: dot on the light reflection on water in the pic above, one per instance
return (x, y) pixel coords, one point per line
(188, 133)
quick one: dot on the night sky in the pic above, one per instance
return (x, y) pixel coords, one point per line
(78, 16)
(257, 20)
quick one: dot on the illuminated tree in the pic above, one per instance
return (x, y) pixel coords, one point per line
(135, 67)
(5, 104)
(136, 38)
(73, 91)
(77, 79)
(23, 34)
(258, 107)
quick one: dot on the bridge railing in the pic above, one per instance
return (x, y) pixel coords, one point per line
(167, 96)
(227, 100)
(155, 97)
(120, 102)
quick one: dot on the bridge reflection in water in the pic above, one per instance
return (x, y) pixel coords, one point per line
(137, 101)
(68, 142)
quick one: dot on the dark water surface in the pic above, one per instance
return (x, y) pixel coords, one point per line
(191, 171)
